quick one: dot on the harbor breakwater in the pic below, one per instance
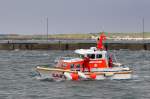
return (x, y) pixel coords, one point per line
(72, 46)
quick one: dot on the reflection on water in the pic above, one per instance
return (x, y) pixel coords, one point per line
(17, 78)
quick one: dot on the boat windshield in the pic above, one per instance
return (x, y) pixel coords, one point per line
(74, 56)
(99, 56)
(92, 56)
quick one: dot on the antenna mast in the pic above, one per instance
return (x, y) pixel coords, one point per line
(47, 28)
(143, 27)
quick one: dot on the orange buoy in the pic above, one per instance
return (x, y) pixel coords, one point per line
(93, 76)
(74, 76)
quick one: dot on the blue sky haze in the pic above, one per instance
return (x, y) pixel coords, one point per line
(73, 16)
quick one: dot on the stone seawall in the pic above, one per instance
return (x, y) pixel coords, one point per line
(72, 46)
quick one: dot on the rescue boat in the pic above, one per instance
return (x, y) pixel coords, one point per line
(89, 64)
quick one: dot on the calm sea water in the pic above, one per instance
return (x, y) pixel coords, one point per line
(17, 78)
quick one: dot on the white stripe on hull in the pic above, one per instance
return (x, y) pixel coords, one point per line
(122, 76)
(98, 77)
(60, 74)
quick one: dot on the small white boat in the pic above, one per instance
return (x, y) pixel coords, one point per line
(91, 64)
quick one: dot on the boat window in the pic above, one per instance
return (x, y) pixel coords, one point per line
(78, 66)
(106, 56)
(92, 56)
(71, 65)
(64, 65)
(81, 56)
(99, 56)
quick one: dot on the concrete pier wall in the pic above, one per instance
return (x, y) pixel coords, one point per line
(72, 46)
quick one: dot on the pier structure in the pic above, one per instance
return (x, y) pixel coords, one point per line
(71, 45)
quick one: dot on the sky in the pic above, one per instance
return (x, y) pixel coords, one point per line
(73, 16)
